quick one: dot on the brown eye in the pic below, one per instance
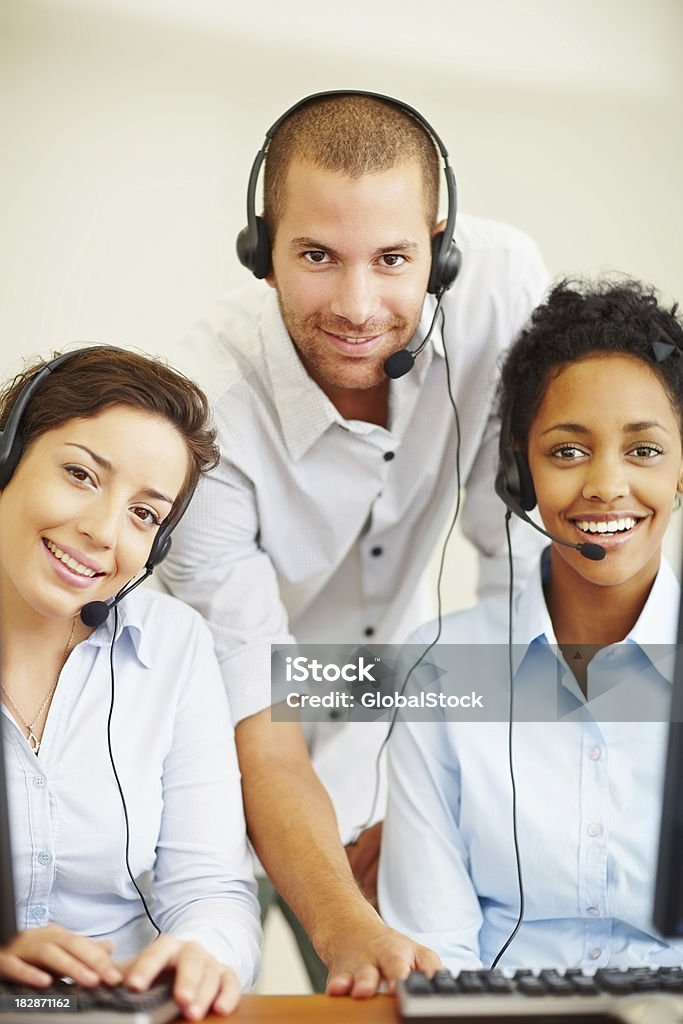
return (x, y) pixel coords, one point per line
(567, 452)
(646, 451)
(316, 256)
(392, 259)
(80, 474)
(146, 515)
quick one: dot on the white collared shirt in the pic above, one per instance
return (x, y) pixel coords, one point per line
(319, 528)
(174, 751)
(588, 805)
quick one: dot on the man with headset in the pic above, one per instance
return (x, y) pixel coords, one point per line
(335, 482)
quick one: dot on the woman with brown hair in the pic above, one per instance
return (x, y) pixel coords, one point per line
(119, 752)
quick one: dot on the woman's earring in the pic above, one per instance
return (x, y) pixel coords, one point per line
(678, 501)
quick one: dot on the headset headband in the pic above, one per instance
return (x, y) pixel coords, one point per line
(12, 447)
(253, 243)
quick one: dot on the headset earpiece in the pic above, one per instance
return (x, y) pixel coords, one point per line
(445, 264)
(253, 248)
(160, 548)
(162, 542)
(11, 442)
(10, 453)
(514, 476)
(253, 243)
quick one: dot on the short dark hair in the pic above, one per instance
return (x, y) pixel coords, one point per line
(354, 135)
(98, 377)
(581, 319)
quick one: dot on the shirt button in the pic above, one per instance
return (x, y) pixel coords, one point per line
(595, 754)
(388, 456)
(38, 912)
(44, 858)
(595, 953)
(369, 631)
(39, 781)
(593, 911)
(594, 829)
(376, 551)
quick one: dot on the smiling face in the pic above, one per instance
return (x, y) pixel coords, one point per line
(605, 455)
(351, 259)
(78, 517)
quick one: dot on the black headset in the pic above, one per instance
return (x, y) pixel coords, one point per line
(254, 246)
(12, 447)
(514, 483)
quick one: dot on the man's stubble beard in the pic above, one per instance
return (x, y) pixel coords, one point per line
(327, 366)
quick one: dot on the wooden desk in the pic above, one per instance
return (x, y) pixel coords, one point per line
(306, 1009)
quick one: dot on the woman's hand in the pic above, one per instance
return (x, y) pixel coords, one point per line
(201, 983)
(39, 955)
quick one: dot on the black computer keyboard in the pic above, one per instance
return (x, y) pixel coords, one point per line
(553, 995)
(103, 1004)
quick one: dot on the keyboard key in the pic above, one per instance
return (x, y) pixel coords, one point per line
(444, 985)
(584, 985)
(560, 986)
(500, 985)
(472, 986)
(530, 986)
(418, 984)
(610, 980)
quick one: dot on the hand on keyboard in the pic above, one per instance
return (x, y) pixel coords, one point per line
(201, 983)
(366, 954)
(37, 956)
(40, 956)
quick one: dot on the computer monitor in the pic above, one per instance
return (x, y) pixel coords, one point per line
(668, 908)
(8, 925)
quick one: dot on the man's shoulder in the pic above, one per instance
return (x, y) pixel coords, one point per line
(238, 311)
(478, 233)
(224, 346)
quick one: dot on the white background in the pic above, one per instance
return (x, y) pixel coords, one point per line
(129, 128)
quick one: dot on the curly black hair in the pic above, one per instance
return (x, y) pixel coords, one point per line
(581, 319)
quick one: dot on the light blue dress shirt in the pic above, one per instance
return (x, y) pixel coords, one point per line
(588, 805)
(173, 746)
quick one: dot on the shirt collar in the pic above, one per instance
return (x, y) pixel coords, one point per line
(531, 622)
(654, 632)
(304, 410)
(129, 624)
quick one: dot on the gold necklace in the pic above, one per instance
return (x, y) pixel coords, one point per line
(34, 741)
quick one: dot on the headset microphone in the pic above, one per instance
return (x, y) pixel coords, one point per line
(515, 486)
(94, 613)
(401, 362)
(593, 551)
